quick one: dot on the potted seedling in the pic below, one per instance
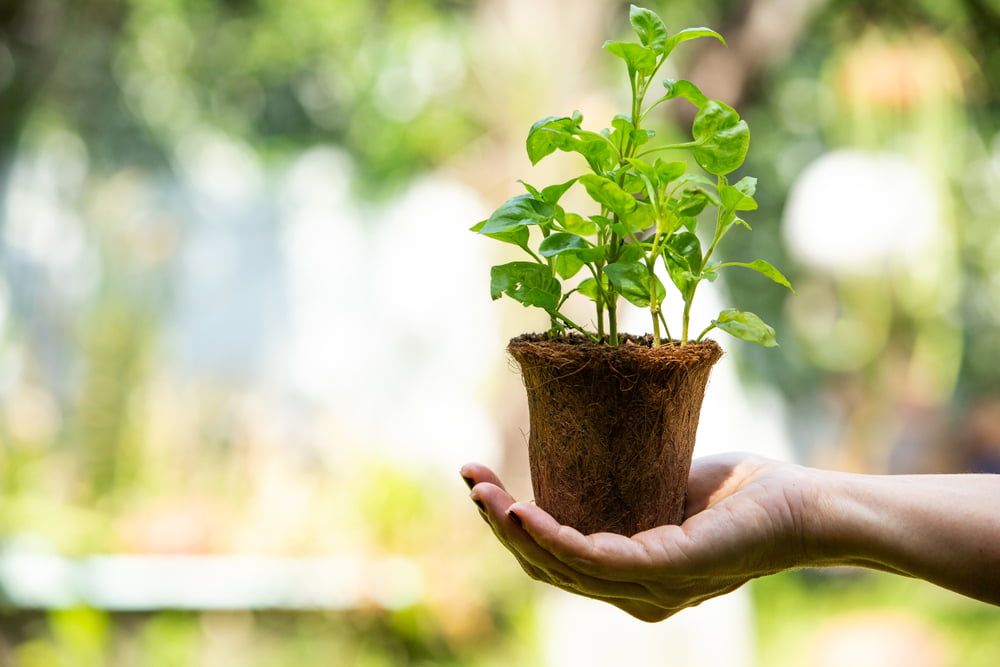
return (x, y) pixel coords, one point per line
(613, 416)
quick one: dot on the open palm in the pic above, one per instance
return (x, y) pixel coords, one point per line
(744, 519)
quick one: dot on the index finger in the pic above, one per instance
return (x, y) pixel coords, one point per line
(474, 473)
(604, 555)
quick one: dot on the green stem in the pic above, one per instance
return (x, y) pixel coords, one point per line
(656, 329)
(595, 270)
(654, 304)
(670, 147)
(720, 182)
(612, 324)
(702, 334)
(687, 318)
(537, 258)
(600, 318)
(666, 329)
(574, 325)
(565, 297)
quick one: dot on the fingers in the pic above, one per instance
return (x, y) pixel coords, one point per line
(474, 473)
(601, 555)
(545, 567)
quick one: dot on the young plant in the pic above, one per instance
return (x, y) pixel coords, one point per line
(647, 209)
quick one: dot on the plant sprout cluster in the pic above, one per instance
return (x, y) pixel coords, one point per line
(648, 208)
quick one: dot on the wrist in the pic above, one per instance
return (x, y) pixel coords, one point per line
(845, 522)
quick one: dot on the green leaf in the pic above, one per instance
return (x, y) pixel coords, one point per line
(549, 134)
(588, 287)
(684, 179)
(518, 236)
(624, 131)
(517, 212)
(561, 242)
(532, 190)
(691, 203)
(576, 224)
(686, 90)
(564, 242)
(668, 171)
(691, 33)
(762, 267)
(746, 326)
(527, 282)
(564, 133)
(633, 184)
(567, 265)
(601, 221)
(646, 172)
(682, 254)
(631, 280)
(643, 217)
(639, 58)
(607, 193)
(649, 27)
(723, 139)
(630, 253)
(554, 193)
(687, 246)
(601, 156)
(739, 197)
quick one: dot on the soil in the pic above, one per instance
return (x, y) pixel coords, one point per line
(612, 428)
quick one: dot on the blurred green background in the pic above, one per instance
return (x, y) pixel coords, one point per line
(246, 339)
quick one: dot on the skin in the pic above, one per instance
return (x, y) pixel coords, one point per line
(748, 517)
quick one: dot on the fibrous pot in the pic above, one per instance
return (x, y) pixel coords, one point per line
(612, 427)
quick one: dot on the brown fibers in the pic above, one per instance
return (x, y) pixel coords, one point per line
(612, 428)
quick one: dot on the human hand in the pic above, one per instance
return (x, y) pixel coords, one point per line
(746, 516)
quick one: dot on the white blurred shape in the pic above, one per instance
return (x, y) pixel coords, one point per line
(873, 638)
(330, 304)
(219, 168)
(578, 632)
(390, 325)
(42, 225)
(33, 578)
(860, 213)
(430, 286)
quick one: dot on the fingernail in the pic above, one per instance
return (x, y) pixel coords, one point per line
(469, 482)
(515, 518)
(479, 504)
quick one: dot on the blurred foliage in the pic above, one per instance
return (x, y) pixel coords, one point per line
(131, 77)
(103, 449)
(83, 637)
(800, 612)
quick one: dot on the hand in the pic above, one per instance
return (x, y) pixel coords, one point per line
(746, 517)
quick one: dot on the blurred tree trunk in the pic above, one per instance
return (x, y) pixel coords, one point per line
(29, 32)
(37, 38)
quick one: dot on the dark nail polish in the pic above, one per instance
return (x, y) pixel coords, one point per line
(479, 504)
(469, 482)
(515, 518)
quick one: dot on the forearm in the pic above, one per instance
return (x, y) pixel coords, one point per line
(942, 528)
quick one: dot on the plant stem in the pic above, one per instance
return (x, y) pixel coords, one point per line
(600, 318)
(717, 236)
(537, 258)
(574, 325)
(702, 334)
(654, 303)
(612, 323)
(656, 329)
(666, 329)
(687, 318)
(668, 147)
